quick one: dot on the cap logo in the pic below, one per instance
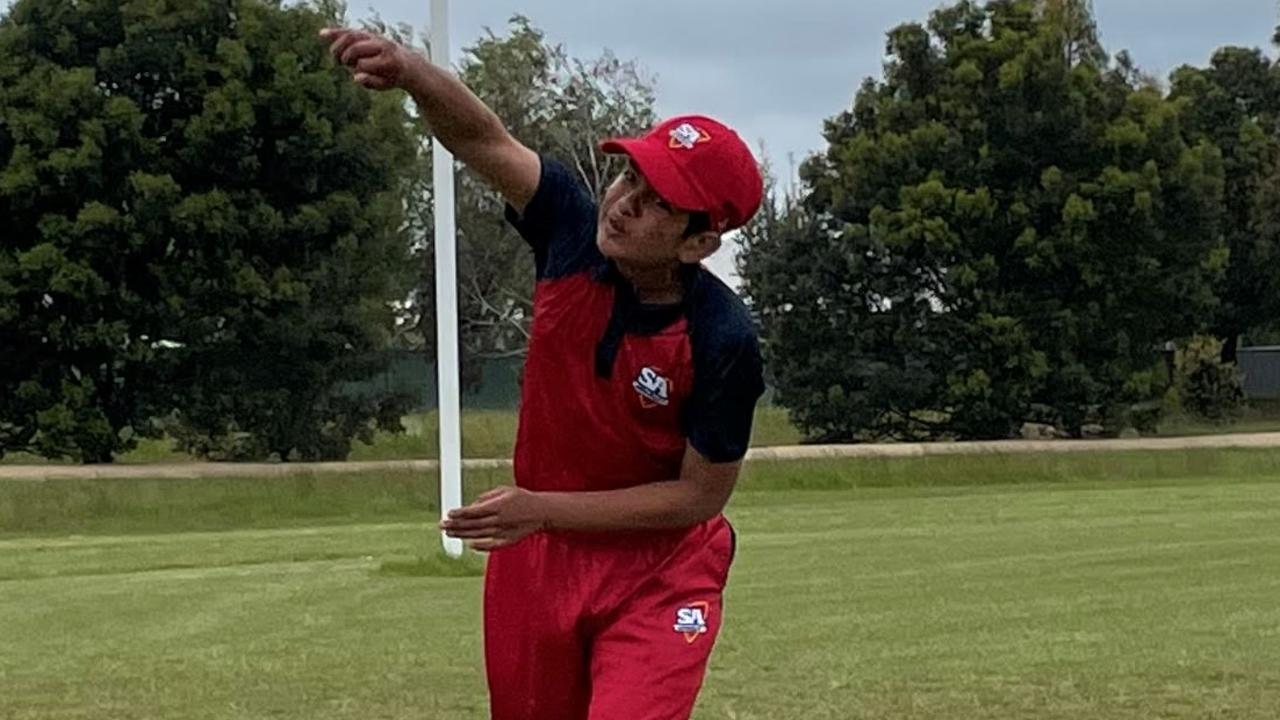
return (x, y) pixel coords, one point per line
(687, 136)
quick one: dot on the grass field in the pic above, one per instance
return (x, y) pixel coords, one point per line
(491, 434)
(1125, 585)
(485, 434)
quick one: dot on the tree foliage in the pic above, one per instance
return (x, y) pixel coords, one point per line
(1007, 227)
(1235, 104)
(204, 221)
(1204, 386)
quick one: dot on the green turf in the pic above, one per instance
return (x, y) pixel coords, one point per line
(1109, 586)
(491, 434)
(485, 434)
(152, 506)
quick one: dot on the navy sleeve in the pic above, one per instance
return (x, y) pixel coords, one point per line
(728, 378)
(559, 223)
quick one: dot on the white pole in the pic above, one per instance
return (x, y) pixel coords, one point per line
(448, 379)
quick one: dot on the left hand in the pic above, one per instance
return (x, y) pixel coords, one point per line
(498, 518)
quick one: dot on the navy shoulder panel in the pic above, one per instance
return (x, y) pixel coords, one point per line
(728, 371)
(559, 223)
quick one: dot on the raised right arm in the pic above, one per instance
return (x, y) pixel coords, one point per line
(464, 124)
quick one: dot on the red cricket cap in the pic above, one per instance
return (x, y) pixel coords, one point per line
(698, 165)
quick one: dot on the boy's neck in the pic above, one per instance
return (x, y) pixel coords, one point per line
(661, 285)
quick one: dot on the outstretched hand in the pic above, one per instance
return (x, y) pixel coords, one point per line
(376, 62)
(497, 519)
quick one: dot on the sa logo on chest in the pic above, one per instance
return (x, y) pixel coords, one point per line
(653, 387)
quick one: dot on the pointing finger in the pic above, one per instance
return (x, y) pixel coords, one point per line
(345, 40)
(486, 531)
(362, 49)
(475, 511)
(373, 82)
(378, 65)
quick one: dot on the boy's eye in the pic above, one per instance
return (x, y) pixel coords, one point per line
(664, 205)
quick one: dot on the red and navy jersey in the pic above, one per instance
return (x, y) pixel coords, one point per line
(614, 389)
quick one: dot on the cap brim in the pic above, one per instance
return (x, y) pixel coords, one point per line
(664, 176)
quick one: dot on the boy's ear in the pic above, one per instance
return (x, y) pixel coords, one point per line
(696, 248)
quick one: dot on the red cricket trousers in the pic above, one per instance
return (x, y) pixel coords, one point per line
(593, 627)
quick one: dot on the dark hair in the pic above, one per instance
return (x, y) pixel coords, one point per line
(699, 222)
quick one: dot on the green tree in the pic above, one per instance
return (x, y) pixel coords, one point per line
(1005, 228)
(1235, 104)
(559, 105)
(1204, 386)
(204, 217)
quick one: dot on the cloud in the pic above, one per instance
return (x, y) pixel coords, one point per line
(777, 70)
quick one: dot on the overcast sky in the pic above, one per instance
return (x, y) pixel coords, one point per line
(776, 70)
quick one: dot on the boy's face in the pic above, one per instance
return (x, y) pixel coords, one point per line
(637, 226)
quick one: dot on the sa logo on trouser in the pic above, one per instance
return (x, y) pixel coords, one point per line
(593, 628)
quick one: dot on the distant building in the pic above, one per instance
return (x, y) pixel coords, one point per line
(1260, 368)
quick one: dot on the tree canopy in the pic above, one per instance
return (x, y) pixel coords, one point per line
(1008, 227)
(204, 222)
